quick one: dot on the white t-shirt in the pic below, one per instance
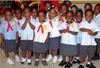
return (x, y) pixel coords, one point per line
(39, 35)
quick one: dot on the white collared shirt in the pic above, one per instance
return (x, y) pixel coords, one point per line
(68, 38)
(87, 39)
(39, 36)
(97, 21)
(27, 33)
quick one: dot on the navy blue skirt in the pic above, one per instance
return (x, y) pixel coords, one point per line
(54, 43)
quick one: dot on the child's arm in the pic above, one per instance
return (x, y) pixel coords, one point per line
(62, 31)
(93, 34)
(25, 23)
(32, 26)
(33, 37)
(72, 32)
(47, 40)
(16, 37)
(58, 14)
(2, 36)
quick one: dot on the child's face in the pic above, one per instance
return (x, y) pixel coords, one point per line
(79, 17)
(34, 13)
(87, 7)
(89, 16)
(18, 14)
(41, 16)
(68, 3)
(97, 10)
(69, 17)
(74, 9)
(27, 12)
(63, 9)
(47, 6)
(52, 13)
(8, 15)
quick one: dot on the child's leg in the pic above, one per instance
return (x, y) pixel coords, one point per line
(49, 56)
(82, 60)
(89, 59)
(44, 60)
(37, 59)
(37, 55)
(50, 52)
(16, 56)
(16, 53)
(70, 59)
(29, 54)
(24, 54)
(7, 54)
(64, 58)
(63, 62)
(98, 49)
(56, 52)
(43, 55)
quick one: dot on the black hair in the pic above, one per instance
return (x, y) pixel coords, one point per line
(42, 11)
(67, 1)
(27, 7)
(79, 11)
(7, 9)
(70, 11)
(87, 4)
(52, 8)
(62, 5)
(90, 11)
(47, 2)
(33, 7)
(18, 8)
(74, 6)
(97, 5)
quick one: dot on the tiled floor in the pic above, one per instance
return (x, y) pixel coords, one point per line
(3, 63)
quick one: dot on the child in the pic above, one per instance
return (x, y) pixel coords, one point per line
(89, 29)
(54, 39)
(41, 37)
(9, 35)
(86, 6)
(63, 9)
(78, 16)
(34, 12)
(74, 8)
(27, 25)
(68, 32)
(68, 3)
(97, 20)
(47, 6)
(18, 18)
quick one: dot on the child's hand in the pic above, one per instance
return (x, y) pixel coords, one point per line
(89, 32)
(33, 41)
(3, 44)
(67, 30)
(47, 41)
(27, 19)
(56, 10)
(64, 30)
(16, 41)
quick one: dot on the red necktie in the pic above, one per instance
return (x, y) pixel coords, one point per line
(9, 26)
(41, 28)
(51, 23)
(73, 20)
(18, 23)
(68, 26)
(62, 20)
(48, 15)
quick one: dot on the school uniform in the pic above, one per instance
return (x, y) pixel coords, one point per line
(88, 42)
(68, 45)
(97, 21)
(27, 35)
(19, 32)
(41, 33)
(78, 37)
(54, 39)
(9, 30)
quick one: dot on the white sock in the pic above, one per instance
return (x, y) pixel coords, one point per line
(44, 59)
(50, 55)
(37, 59)
(82, 64)
(77, 57)
(88, 62)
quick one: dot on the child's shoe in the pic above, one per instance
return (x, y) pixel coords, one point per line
(90, 65)
(36, 63)
(17, 58)
(81, 66)
(62, 63)
(9, 61)
(96, 57)
(76, 61)
(44, 62)
(68, 65)
(49, 58)
(54, 59)
(60, 58)
(23, 60)
(29, 61)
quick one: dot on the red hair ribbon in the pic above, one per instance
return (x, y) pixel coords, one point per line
(18, 23)
(68, 26)
(4, 9)
(41, 28)
(9, 26)
(73, 20)
(51, 23)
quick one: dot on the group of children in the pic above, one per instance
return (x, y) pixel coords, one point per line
(66, 29)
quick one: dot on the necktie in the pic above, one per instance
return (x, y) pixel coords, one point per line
(68, 26)
(18, 23)
(51, 23)
(9, 26)
(41, 28)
